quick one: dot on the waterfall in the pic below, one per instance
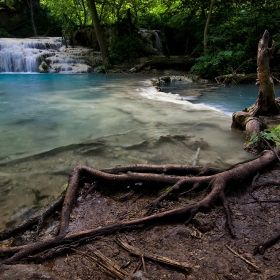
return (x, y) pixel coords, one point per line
(153, 39)
(158, 43)
(41, 55)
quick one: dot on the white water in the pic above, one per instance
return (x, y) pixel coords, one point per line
(29, 55)
(158, 43)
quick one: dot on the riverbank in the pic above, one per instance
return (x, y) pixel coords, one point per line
(181, 66)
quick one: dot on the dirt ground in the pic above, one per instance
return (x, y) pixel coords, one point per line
(205, 245)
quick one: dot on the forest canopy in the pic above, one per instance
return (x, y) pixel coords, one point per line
(221, 35)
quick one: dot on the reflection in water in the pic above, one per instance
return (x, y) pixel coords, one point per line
(51, 123)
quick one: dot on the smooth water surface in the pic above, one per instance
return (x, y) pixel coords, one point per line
(50, 123)
(42, 112)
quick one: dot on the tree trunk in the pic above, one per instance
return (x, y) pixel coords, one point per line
(30, 5)
(99, 31)
(251, 119)
(207, 24)
(85, 13)
(265, 103)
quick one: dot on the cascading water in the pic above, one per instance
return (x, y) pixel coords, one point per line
(153, 39)
(41, 55)
(158, 43)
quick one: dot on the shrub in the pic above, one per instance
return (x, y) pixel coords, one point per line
(127, 48)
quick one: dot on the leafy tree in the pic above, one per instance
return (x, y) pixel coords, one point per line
(10, 4)
(213, 2)
(68, 12)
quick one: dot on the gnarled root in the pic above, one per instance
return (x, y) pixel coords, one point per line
(183, 179)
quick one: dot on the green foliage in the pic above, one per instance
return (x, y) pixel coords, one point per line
(66, 13)
(8, 3)
(4, 33)
(47, 24)
(127, 48)
(234, 31)
(104, 67)
(218, 63)
(150, 21)
(272, 137)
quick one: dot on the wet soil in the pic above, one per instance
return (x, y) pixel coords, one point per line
(204, 244)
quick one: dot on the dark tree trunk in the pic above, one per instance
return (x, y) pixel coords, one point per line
(251, 119)
(265, 103)
(99, 31)
(30, 5)
(213, 2)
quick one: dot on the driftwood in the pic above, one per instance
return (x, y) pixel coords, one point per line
(135, 251)
(183, 179)
(251, 119)
(243, 259)
(107, 265)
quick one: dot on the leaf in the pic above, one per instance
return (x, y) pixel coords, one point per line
(254, 138)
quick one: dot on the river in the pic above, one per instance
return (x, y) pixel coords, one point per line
(52, 122)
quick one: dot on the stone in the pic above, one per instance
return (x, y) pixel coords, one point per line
(138, 275)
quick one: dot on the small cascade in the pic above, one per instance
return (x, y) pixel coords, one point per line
(44, 55)
(158, 42)
(153, 39)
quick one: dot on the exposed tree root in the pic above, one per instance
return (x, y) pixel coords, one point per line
(183, 179)
(260, 248)
(36, 218)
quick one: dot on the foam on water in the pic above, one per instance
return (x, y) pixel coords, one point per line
(153, 94)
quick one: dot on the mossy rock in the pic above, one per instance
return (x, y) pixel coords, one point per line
(43, 68)
(166, 79)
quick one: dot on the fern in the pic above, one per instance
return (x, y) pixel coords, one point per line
(272, 137)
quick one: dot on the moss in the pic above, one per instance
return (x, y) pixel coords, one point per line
(43, 68)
